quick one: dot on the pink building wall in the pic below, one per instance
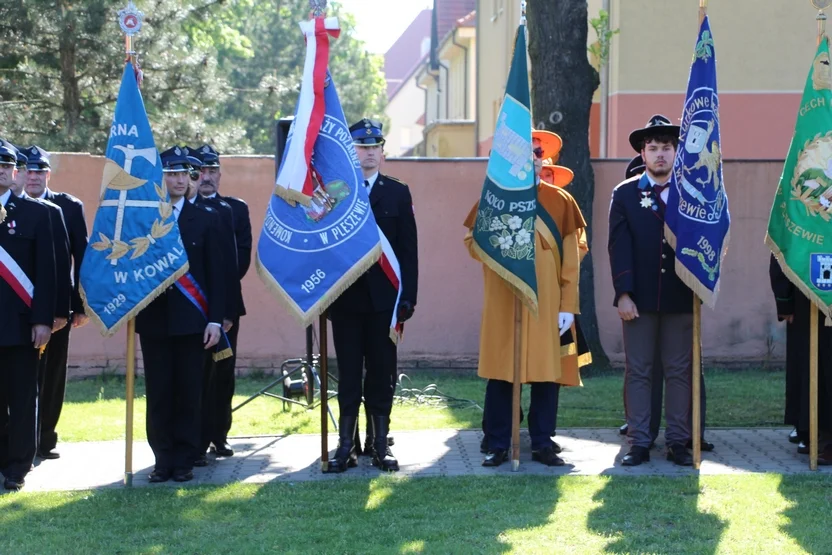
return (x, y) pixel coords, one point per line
(445, 328)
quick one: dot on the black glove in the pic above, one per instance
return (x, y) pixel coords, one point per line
(405, 311)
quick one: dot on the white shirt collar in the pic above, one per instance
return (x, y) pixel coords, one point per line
(4, 198)
(212, 195)
(43, 195)
(372, 181)
(192, 200)
(178, 207)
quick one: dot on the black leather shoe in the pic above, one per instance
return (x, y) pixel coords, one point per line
(495, 458)
(556, 446)
(793, 437)
(182, 475)
(636, 456)
(345, 456)
(222, 449)
(623, 430)
(803, 448)
(201, 461)
(382, 456)
(679, 455)
(159, 475)
(703, 445)
(548, 456)
(49, 455)
(14, 484)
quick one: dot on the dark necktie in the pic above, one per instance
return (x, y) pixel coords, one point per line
(366, 183)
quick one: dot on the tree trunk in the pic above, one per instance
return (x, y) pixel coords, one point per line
(563, 83)
(69, 77)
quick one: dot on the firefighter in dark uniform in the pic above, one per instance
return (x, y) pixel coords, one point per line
(27, 312)
(53, 384)
(223, 382)
(174, 333)
(656, 307)
(214, 415)
(361, 316)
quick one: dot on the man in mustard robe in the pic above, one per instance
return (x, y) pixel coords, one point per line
(557, 261)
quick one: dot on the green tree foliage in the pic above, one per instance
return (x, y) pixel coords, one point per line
(214, 71)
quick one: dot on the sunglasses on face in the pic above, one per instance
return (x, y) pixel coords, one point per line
(538, 152)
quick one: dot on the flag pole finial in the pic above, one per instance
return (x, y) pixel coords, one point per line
(130, 20)
(523, 12)
(821, 5)
(318, 7)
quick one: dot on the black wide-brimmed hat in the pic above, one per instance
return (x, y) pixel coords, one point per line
(634, 168)
(658, 125)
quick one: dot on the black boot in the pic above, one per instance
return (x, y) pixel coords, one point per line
(357, 441)
(345, 456)
(368, 439)
(382, 456)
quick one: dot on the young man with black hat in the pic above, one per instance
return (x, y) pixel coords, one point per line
(53, 382)
(222, 386)
(27, 312)
(656, 307)
(361, 316)
(636, 168)
(175, 331)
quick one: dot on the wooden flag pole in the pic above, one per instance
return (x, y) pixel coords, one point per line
(813, 387)
(322, 325)
(696, 376)
(129, 394)
(515, 396)
(696, 382)
(813, 312)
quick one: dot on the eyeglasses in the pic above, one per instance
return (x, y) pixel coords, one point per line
(538, 152)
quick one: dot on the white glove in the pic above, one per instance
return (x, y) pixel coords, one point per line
(565, 320)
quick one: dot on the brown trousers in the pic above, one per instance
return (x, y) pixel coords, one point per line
(673, 333)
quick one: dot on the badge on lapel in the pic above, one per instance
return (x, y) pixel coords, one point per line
(647, 201)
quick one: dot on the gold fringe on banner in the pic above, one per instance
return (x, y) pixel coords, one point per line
(825, 309)
(136, 309)
(517, 285)
(306, 319)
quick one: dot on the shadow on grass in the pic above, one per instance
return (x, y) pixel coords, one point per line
(810, 510)
(654, 515)
(448, 515)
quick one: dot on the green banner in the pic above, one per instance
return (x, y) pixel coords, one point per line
(800, 225)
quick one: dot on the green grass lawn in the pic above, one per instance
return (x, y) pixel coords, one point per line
(717, 514)
(390, 514)
(94, 408)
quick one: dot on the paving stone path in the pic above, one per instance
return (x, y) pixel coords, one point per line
(296, 458)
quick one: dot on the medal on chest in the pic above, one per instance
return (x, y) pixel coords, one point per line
(11, 225)
(647, 201)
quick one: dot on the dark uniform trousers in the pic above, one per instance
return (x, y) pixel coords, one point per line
(361, 316)
(53, 364)
(51, 387)
(174, 378)
(361, 340)
(217, 394)
(674, 335)
(657, 398)
(543, 413)
(18, 392)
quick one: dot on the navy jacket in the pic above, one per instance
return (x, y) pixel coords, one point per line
(26, 234)
(393, 211)
(171, 313)
(641, 260)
